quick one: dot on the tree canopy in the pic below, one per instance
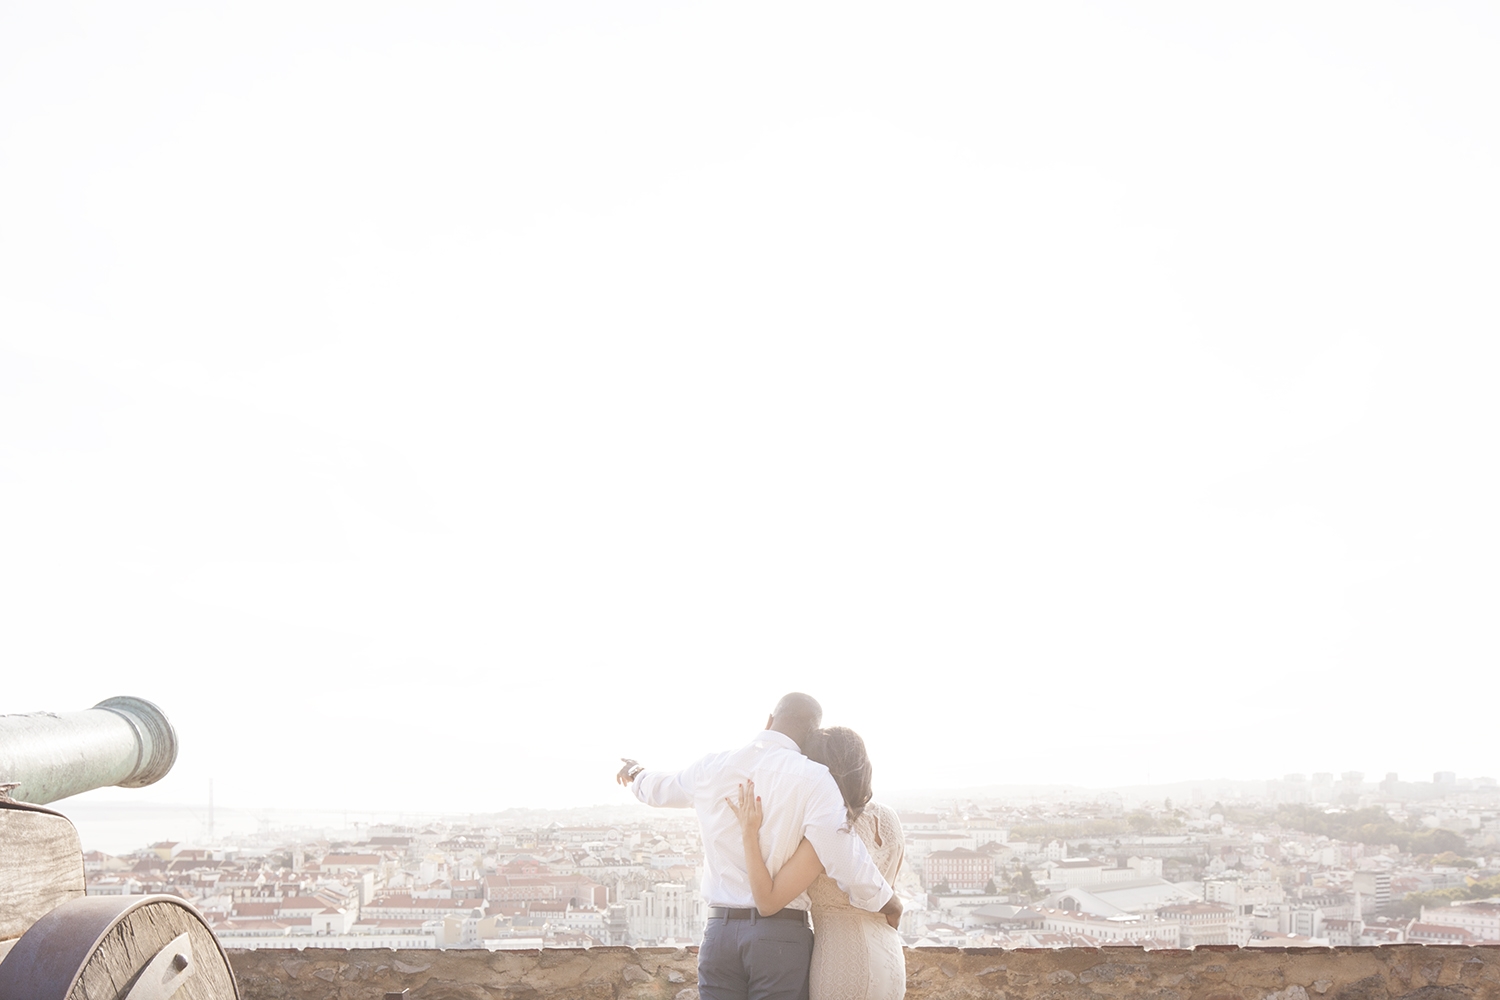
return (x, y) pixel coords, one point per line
(1412, 903)
(1372, 826)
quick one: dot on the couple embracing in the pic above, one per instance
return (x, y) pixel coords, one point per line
(789, 832)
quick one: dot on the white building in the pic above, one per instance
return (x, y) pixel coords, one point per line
(112, 885)
(588, 919)
(924, 842)
(987, 832)
(1143, 929)
(1075, 871)
(416, 908)
(666, 910)
(1208, 923)
(1374, 887)
(1480, 919)
(363, 934)
(1109, 899)
(1243, 894)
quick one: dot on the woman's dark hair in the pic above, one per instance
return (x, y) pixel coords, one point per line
(840, 749)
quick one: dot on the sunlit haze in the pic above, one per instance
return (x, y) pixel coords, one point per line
(432, 403)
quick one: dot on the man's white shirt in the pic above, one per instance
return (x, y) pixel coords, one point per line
(799, 798)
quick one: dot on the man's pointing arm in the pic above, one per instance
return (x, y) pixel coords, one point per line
(657, 788)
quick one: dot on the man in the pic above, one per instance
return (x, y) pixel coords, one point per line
(745, 955)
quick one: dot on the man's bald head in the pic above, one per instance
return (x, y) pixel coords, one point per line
(796, 715)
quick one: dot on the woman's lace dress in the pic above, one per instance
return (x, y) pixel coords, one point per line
(856, 954)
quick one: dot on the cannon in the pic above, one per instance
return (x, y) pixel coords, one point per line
(56, 942)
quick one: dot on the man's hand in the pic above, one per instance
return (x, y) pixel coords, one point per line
(892, 911)
(628, 772)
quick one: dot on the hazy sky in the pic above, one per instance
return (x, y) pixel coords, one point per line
(434, 402)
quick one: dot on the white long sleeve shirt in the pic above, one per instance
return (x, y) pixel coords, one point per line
(799, 799)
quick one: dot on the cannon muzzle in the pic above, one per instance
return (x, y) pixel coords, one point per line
(120, 741)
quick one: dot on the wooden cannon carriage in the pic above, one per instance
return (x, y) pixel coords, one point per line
(56, 943)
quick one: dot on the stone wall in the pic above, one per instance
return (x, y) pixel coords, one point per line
(1411, 972)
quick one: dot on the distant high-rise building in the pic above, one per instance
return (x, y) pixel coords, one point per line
(1444, 777)
(1291, 788)
(1375, 887)
(1353, 779)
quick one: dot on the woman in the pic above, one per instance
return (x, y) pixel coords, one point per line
(856, 954)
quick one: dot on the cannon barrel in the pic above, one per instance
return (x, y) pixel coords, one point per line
(120, 741)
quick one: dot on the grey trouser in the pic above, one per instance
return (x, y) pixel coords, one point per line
(754, 960)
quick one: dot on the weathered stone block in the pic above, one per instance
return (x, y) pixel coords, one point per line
(447, 989)
(1369, 988)
(1290, 993)
(1108, 972)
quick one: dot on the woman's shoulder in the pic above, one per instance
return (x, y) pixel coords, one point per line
(887, 815)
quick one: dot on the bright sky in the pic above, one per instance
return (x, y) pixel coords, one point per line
(434, 402)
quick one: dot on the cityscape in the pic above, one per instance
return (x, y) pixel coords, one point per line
(1304, 860)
